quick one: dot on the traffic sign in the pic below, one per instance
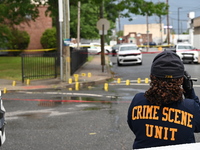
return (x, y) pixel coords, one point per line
(103, 22)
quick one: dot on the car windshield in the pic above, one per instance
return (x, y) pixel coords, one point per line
(185, 47)
(115, 46)
(125, 48)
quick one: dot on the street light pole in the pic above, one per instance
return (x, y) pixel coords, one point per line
(178, 22)
(168, 30)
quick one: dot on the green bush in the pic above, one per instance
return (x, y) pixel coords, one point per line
(19, 41)
(48, 39)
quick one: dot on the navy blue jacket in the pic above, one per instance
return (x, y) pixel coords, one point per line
(164, 125)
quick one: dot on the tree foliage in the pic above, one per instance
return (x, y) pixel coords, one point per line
(14, 12)
(48, 39)
(90, 13)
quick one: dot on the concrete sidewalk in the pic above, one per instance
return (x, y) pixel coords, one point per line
(90, 73)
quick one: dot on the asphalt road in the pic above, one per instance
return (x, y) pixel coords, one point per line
(87, 119)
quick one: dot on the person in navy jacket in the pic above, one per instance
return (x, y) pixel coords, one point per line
(168, 113)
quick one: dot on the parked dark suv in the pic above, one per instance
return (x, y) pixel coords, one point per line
(115, 49)
(151, 44)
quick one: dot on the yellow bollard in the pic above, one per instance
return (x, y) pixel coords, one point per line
(83, 74)
(76, 86)
(119, 80)
(139, 80)
(4, 90)
(127, 82)
(70, 80)
(70, 89)
(89, 74)
(146, 80)
(106, 86)
(75, 75)
(28, 82)
(76, 78)
(160, 48)
(14, 83)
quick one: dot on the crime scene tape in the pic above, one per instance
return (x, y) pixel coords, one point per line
(31, 50)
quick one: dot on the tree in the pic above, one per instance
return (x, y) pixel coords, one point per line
(88, 19)
(20, 41)
(14, 12)
(142, 7)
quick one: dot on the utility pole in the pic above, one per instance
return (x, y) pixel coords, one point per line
(147, 21)
(66, 49)
(168, 31)
(78, 26)
(119, 24)
(161, 33)
(178, 22)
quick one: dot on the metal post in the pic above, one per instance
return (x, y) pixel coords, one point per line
(178, 22)
(60, 7)
(168, 30)
(78, 26)
(147, 21)
(102, 49)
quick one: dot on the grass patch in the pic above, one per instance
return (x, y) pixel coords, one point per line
(10, 68)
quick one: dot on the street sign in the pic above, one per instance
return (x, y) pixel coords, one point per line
(101, 32)
(102, 22)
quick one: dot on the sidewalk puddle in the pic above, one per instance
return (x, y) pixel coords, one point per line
(81, 99)
(60, 100)
(34, 115)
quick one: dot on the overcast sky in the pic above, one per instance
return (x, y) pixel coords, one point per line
(186, 6)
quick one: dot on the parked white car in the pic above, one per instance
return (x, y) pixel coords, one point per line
(129, 54)
(187, 52)
(95, 48)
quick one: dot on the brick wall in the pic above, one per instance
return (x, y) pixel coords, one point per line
(35, 29)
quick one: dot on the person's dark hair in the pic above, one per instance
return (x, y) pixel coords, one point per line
(164, 90)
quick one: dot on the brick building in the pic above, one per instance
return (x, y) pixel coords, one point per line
(36, 28)
(196, 26)
(139, 33)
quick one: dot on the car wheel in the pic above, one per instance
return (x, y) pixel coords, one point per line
(113, 53)
(118, 63)
(107, 52)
